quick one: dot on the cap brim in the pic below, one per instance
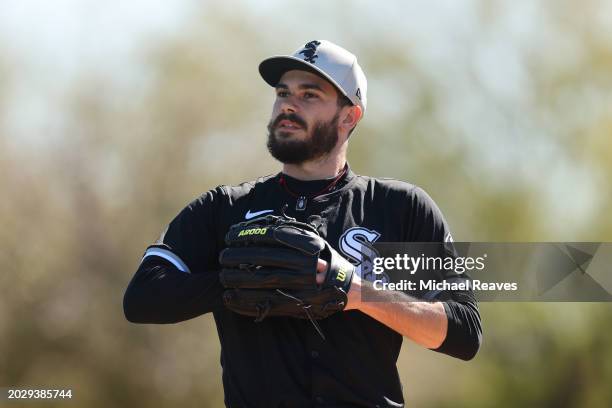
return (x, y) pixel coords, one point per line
(272, 69)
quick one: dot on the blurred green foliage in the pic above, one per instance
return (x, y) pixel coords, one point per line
(526, 162)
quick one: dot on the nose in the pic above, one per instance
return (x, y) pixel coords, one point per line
(287, 105)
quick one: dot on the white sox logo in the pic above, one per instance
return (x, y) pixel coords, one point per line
(356, 245)
(309, 51)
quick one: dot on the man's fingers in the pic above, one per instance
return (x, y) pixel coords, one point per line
(321, 271)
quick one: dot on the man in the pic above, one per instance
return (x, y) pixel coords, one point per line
(281, 361)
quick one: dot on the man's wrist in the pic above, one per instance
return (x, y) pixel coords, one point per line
(354, 294)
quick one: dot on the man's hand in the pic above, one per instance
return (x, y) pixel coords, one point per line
(354, 294)
(321, 271)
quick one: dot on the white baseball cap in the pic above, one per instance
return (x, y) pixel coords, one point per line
(325, 59)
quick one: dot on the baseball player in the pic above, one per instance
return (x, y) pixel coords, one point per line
(279, 261)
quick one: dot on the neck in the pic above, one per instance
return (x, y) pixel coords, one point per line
(324, 168)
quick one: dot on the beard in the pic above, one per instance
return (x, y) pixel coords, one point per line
(318, 143)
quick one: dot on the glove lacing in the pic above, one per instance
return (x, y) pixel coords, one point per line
(262, 310)
(306, 308)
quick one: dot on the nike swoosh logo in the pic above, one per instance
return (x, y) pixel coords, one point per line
(250, 214)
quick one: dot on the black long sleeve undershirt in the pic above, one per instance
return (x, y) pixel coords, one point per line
(160, 293)
(464, 334)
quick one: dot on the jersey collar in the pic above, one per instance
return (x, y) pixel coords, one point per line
(311, 187)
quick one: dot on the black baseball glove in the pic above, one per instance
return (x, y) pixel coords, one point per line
(270, 268)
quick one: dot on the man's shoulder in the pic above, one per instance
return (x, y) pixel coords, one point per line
(394, 189)
(236, 191)
(386, 184)
(230, 194)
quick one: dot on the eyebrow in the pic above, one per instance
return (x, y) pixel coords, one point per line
(302, 86)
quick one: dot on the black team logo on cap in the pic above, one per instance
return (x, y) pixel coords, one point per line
(309, 51)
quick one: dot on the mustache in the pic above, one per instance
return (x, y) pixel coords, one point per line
(287, 116)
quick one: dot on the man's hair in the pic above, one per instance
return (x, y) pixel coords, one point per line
(343, 101)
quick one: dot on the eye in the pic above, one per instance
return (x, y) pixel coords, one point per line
(282, 93)
(309, 95)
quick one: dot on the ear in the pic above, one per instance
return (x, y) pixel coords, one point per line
(351, 117)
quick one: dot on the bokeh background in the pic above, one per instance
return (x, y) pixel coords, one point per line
(115, 114)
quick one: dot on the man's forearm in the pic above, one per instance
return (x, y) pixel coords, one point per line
(160, 293)
(423, 322)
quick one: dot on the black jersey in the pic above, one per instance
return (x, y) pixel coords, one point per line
(282, 361)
